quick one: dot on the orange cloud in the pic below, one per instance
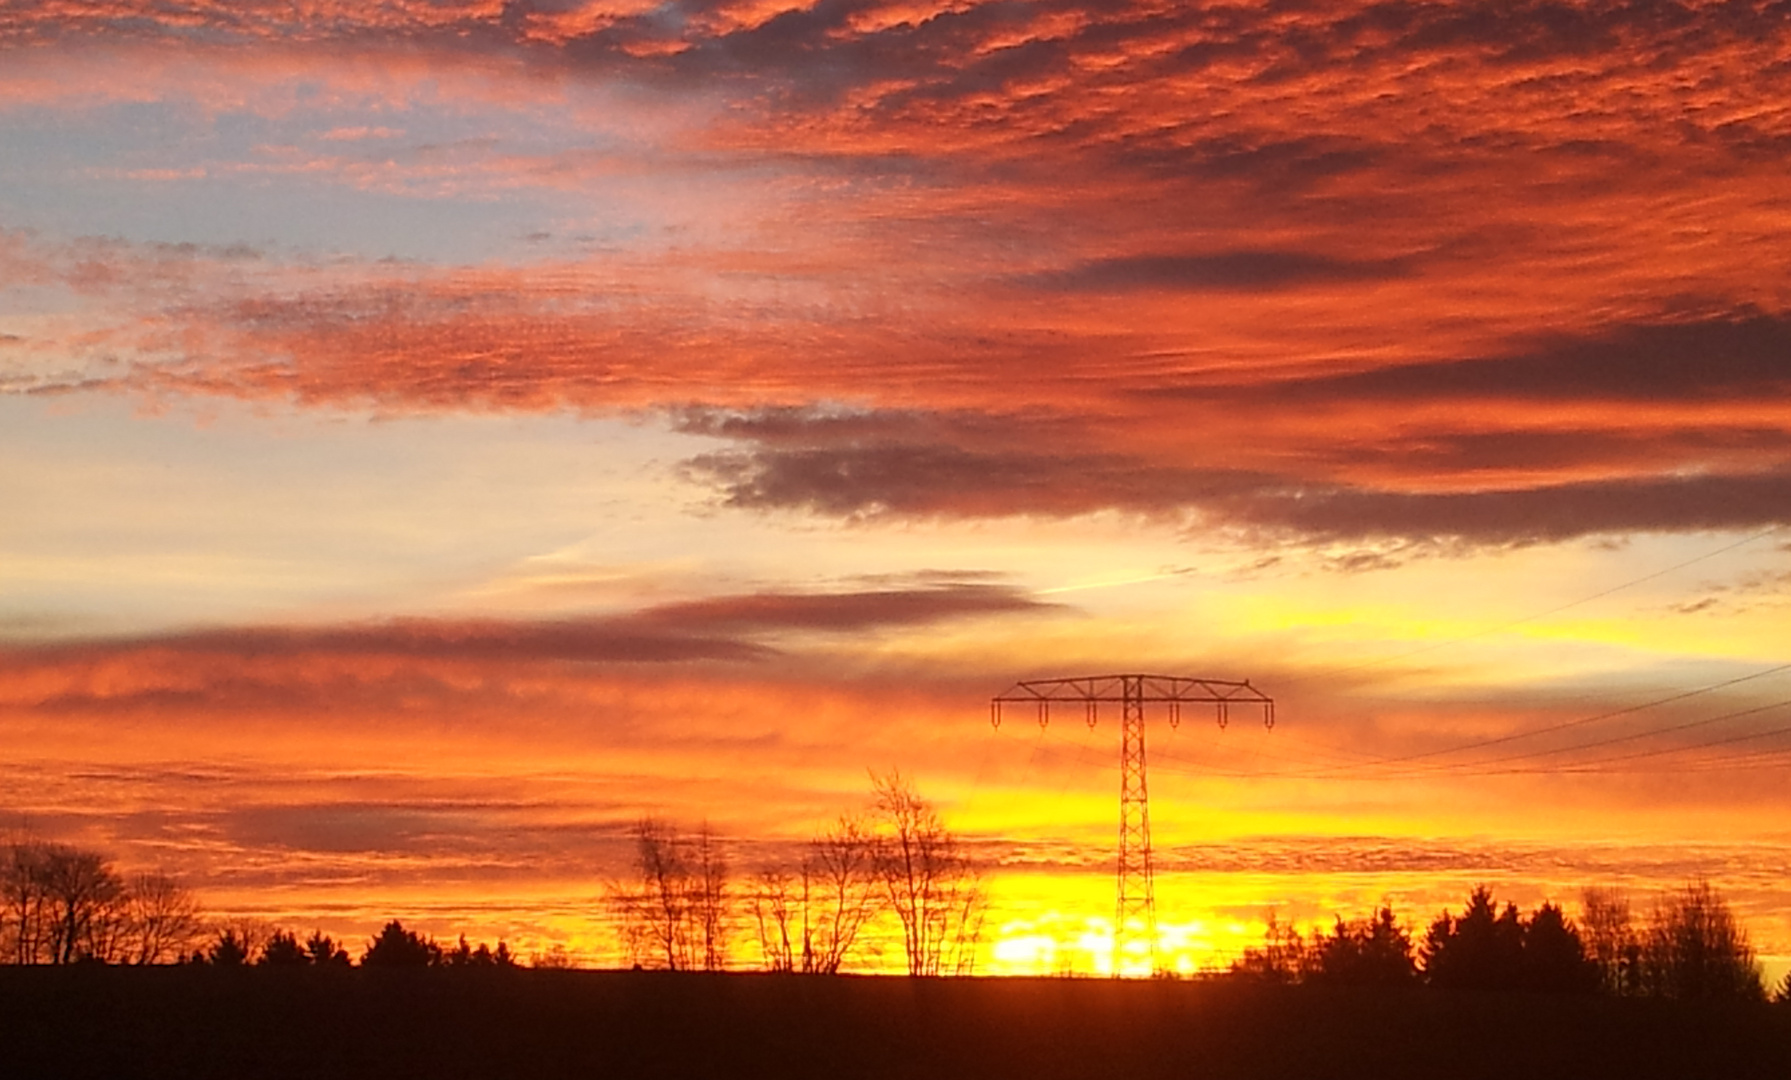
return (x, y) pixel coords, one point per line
(1677, 423)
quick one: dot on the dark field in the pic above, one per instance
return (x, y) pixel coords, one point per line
(252, 1023)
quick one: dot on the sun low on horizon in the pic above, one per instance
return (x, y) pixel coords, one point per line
(437, 435)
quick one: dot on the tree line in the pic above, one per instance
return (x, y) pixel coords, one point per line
(249, 944)
(1690, 947)
(895, 863)
(60, 904)
(892, 871)
(678, 909)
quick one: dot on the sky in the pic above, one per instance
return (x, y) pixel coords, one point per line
(435, 434)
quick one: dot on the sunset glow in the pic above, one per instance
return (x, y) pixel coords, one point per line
(436, 434)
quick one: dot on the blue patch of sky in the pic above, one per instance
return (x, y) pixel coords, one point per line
(172, 173)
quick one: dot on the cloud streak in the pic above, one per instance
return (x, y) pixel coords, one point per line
(1646, 428)
(251, 662)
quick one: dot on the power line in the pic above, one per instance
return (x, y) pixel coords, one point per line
(1338, 765)
(1611, 741)
(1347, 759)
(1498, 627)
(1575, 723)
(1487, 768)
(1749, 737)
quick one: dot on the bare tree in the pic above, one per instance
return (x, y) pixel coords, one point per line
(554, 959)
(1283, 958)
(85, 900)
(665, 876)
(1608, 931)
(163, 919)
(25, 912)
(675, 912)
(1695, 948)
(931, 884)
(779, 907)
(842, 872)
(810, 920)
(709, 900)
(59, 904)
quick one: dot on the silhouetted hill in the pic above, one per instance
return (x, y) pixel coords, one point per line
(264, 1023)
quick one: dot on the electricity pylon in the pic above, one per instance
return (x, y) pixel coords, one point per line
(1135, 914)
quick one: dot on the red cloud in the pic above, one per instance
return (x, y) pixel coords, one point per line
(1349, 268)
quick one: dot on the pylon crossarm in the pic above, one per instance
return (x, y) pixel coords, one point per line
(1172, 690)
(1149, 688)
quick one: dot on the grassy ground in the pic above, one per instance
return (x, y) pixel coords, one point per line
(200, 1023)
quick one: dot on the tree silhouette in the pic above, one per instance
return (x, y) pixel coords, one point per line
(1283, 958)
(1695, 949)
(163, 920)
(283, 950)
(323, 951)
(710, 907)
(62, 904)
(464, 955)
(654, 909)
(555, 958)
(810, 921)
(1486, 948)
(1368, 952)
(228, 949)
(459, 956)
(931, 884)
(1481, 949)
(676, 912)
(1554, 958)
(396, 947)
(24, 906)
(1610, 939)
(779, 904)
(842, 869)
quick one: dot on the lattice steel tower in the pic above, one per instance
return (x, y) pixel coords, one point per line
(1135, 913)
